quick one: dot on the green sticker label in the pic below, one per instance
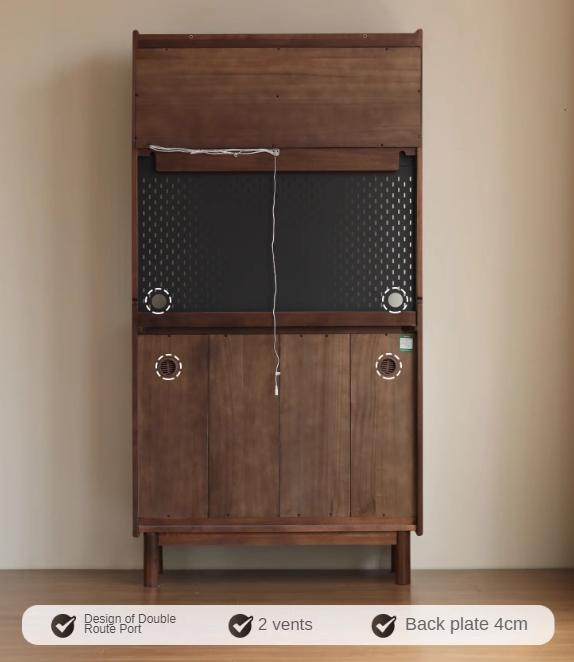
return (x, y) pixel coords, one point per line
(406, 343)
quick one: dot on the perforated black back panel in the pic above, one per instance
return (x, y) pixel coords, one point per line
(342, 238)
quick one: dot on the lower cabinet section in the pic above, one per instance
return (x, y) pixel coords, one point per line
(214, 441)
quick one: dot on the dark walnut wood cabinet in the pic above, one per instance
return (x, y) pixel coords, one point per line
(336, 457)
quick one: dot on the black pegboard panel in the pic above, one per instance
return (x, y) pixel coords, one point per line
(342, 238)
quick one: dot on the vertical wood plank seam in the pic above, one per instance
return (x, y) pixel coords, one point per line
(279, 435)
(207, 419)
(135, 415)
(350, 426)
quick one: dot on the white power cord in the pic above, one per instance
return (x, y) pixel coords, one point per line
(247, 152)
(216, 152)
(277, 371)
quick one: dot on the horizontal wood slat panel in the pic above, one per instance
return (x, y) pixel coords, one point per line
(283, 330)
(289, 97)
(291, 73)
(345, 538)
(264, 521)
(322, 160)
(305, 124)
(302, 319)
(321, 40)
(279, 528)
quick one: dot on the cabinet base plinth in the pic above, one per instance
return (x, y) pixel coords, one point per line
(399, 541)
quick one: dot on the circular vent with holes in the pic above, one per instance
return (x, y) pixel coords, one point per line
(168, 367)
(388, 366)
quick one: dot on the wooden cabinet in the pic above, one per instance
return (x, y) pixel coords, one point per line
(215, 441)
(319, 220)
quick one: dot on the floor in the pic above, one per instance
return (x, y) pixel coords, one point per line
(23, 588)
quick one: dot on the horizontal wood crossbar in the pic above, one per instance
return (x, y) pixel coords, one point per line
(278, 528)
(268, 330)
(289, 160)
(368, 522)
(401, 40)
(295, 319)
(311, 538)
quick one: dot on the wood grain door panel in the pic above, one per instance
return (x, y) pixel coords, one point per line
(172, 428)
(243, 427)
(383, 429)
(315, 425)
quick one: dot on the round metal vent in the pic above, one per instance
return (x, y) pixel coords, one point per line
(158, 301)
(388, 366)
(394, 300)
(168, 367)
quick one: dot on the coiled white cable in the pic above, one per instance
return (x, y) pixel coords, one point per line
(247, 152)
(216, 152)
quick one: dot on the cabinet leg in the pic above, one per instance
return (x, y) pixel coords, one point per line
(393, 558)
(151, 560)
(403, 558)
(161, 560)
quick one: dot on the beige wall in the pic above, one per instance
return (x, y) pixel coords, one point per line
(499, 275)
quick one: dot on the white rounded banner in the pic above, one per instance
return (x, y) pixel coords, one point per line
(288, 625)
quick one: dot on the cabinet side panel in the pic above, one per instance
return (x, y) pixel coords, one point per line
(243, 427)
(383, 429)
(172, 428)
(315, 425)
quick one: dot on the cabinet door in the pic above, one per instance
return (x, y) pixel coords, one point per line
(315, 425)
(383, 427)
(243, 427)
(172, 426)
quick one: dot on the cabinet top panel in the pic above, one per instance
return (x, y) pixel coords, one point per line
(318, 40)
(283, 90)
